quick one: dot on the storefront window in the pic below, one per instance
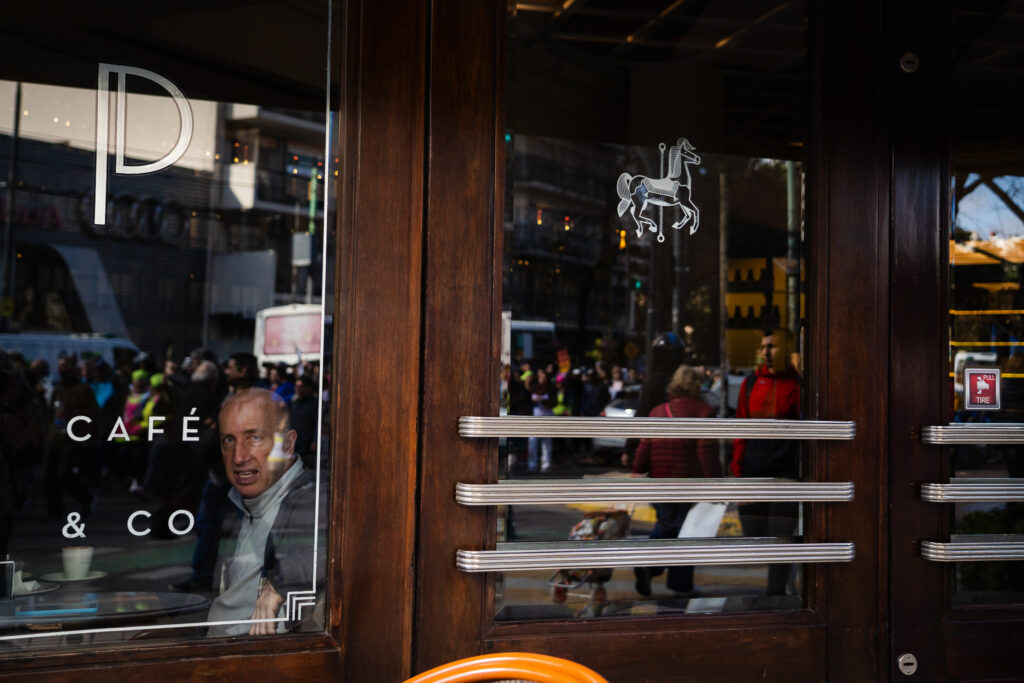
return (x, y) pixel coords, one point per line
(986, 304)
(654, 266)
(166, 200)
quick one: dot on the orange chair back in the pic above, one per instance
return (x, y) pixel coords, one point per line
(505, 665)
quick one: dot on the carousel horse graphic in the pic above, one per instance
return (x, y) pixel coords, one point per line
(637, 193)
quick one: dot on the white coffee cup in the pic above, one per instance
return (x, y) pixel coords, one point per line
(76, 561)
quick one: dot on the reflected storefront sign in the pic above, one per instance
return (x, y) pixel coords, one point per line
(167, 478)
(128, 217)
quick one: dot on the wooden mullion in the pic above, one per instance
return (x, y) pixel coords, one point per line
(377, 365)
(462, 302)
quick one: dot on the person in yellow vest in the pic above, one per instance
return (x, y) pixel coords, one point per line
(159, 406)
(133, 424)
(561, 403)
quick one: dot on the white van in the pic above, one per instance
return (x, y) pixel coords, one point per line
(532, 338)
(50, 346)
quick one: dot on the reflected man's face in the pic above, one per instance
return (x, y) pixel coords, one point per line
(253, 443)
(304, 388)
(766, 352)
(66, 368)
(232, 372)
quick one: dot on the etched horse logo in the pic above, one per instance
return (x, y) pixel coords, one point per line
(637, 193)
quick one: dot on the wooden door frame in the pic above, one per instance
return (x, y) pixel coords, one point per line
(843, 631)
(378, 360)
(462, 304)
(851, 209)
(919, 271)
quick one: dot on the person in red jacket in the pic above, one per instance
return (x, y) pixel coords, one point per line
(773, 391)
(678, 459)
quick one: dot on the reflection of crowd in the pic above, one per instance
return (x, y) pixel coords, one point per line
(670, 388)
(549, 391)
(149, 430)
(538, 389)
(22, 430)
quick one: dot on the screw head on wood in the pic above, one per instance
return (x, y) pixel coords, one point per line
(909, 62)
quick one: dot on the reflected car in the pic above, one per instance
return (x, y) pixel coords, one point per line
(622, 406)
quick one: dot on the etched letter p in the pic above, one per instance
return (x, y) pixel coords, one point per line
(103, 127)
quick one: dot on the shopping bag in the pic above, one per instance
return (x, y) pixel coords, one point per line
(702, 520)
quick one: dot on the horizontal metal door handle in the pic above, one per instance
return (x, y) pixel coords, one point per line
(551, 491)
(971, 490)
(969, 433)
(654, 427)
(645, 553)
(974, 551)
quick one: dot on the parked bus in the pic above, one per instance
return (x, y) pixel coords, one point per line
(289, 334)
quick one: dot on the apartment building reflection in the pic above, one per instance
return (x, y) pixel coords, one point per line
(189, 254)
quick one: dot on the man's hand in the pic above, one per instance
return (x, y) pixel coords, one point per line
(267, 606)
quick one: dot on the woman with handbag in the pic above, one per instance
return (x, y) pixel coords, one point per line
(676, 459)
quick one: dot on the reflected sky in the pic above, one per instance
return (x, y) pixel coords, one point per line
(983, 212)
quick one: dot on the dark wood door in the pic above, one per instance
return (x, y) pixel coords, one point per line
(955, 304)
(879, 158)
(837, 630)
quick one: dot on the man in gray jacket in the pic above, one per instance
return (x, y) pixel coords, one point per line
(267, 548)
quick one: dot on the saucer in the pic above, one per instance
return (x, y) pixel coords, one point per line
(37, 591)
(58, 577)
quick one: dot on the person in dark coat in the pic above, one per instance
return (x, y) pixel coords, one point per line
(68, 461)
(305, 411)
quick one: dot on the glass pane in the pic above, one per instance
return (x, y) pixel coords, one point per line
(164, 210)
(653, 250)
(987, 264)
